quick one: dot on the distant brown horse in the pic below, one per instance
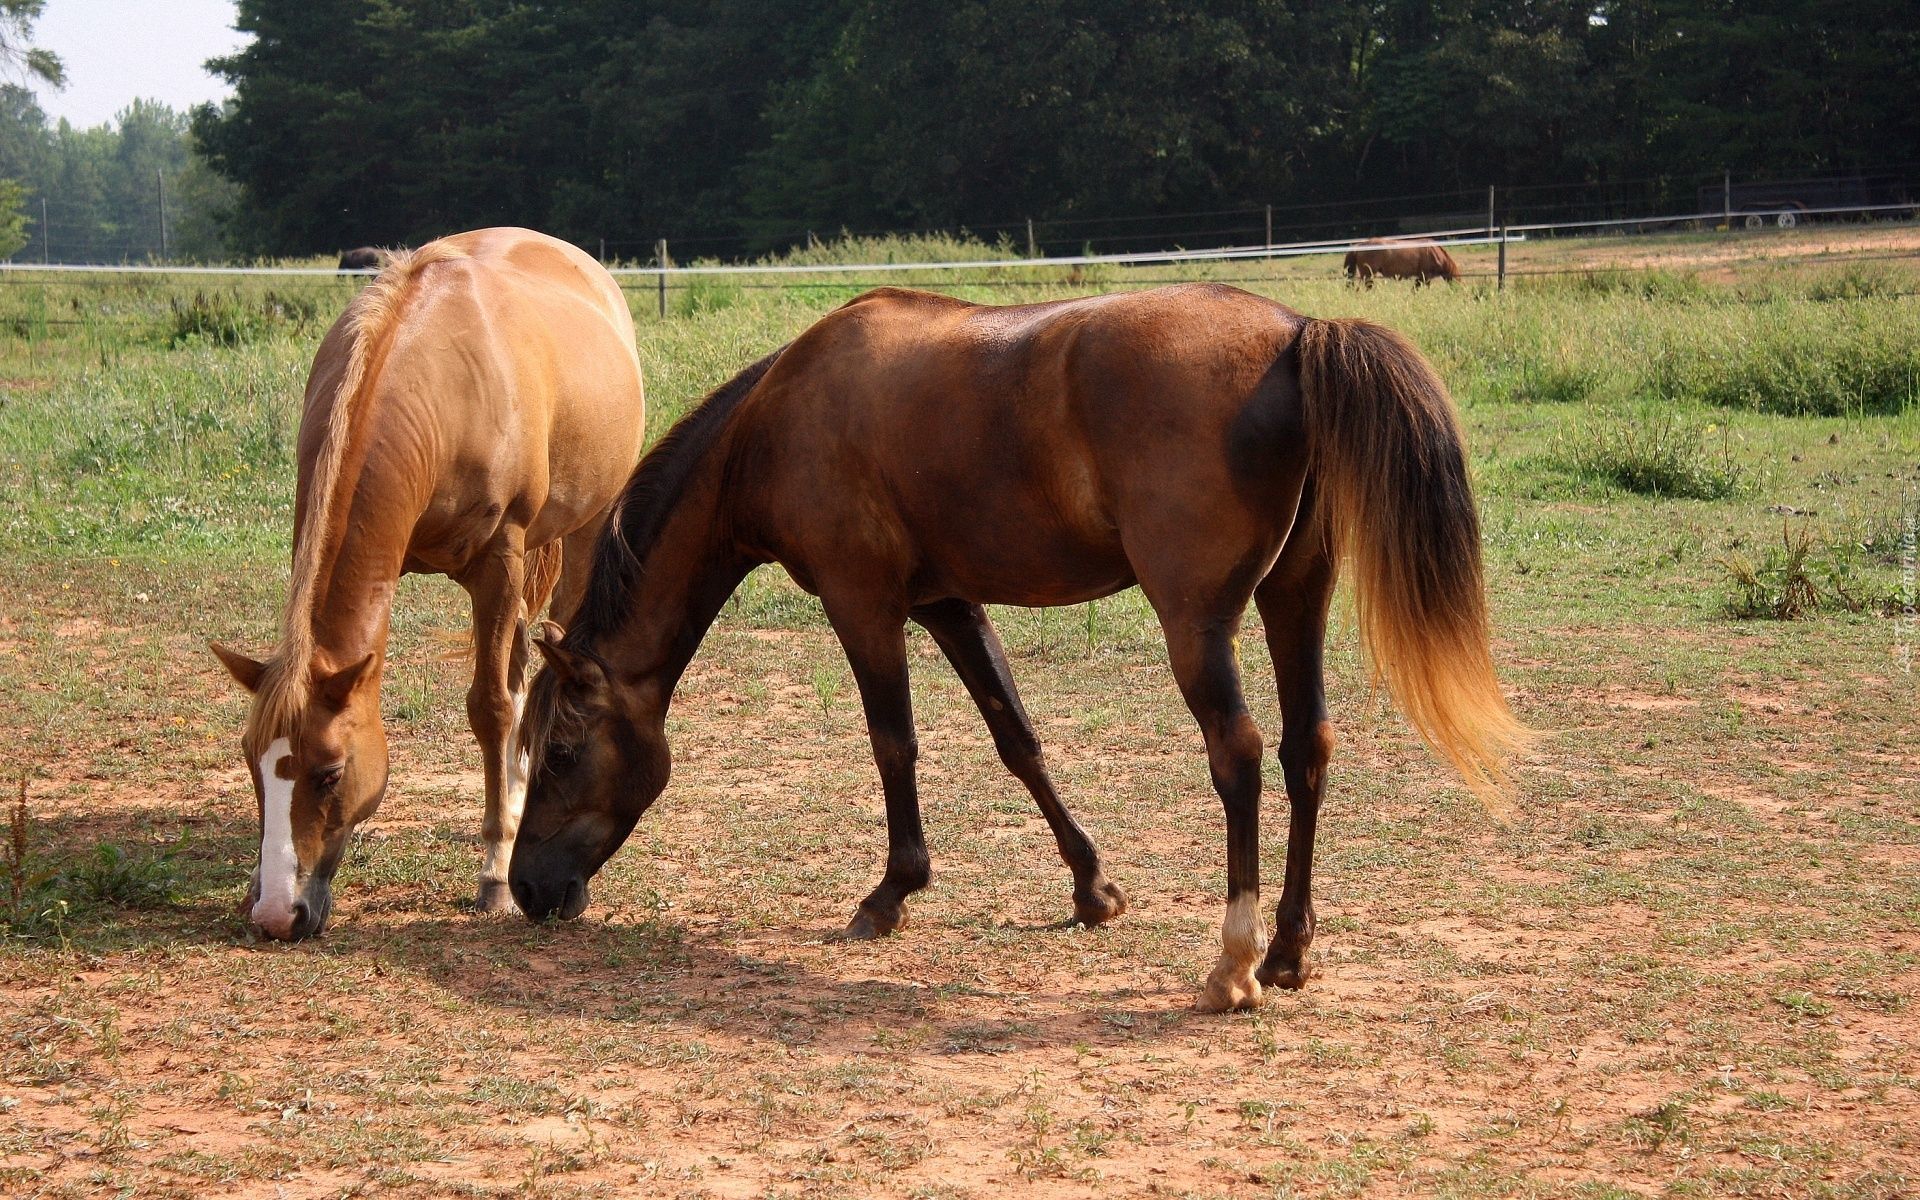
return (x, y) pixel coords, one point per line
(916, 457)
(475, 410)
(1388, 259)
(365, 258)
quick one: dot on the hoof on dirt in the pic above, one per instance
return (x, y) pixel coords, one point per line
(1105, 902)
(1225, 994)
(495, 897)
(865, 926)
(1291, 977)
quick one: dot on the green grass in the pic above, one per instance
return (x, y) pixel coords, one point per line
(1683, 968)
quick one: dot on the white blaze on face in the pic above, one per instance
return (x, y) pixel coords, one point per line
(279, 866)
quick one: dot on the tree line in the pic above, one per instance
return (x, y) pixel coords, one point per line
(737, 125)
(126, 191)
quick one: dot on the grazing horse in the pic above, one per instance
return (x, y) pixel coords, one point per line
(914, 457)
(362, 259)
(474, 412)
(1387, 259)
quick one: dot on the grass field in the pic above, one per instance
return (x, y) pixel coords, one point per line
(1687, 965)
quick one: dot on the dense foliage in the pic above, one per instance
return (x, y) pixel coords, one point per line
(753, 120)
(96, 195)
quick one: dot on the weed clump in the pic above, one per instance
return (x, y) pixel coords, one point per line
(1659, 455)
(234, 320)
(1798, 579)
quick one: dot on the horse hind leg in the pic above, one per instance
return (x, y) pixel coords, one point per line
(967, 638)
(1204, 663)
(1293, 602)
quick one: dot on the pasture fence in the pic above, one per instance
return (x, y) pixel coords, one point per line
(663, 276)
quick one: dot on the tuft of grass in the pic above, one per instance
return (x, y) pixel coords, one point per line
(116, 877)
(233, 319)
(1800, 577)
(1658, 454)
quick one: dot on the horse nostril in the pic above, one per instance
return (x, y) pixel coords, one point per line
(303, 922)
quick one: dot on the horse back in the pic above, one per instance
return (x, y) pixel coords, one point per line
(923, 430)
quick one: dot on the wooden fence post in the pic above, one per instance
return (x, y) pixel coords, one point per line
(1501, 285)
(661, 250)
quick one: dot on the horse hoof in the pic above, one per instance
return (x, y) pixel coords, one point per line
(865, 927)
(1224, 994)
(495, 897)
(1290, 977)
(1105, 902)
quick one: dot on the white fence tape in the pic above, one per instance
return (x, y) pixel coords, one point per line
(1477, 236)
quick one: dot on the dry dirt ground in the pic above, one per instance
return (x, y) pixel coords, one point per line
(1685, 966)
(1715, 257)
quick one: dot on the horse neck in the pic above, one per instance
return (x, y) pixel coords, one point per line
(684, 579)
(362, 547)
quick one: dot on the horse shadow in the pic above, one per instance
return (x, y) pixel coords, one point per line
(654, 971)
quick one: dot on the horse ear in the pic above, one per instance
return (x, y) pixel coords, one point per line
(338, 687)
(245, 671)
(574, 667)
(558, 657)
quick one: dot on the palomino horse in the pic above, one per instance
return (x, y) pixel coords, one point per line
(1383, 258)
(916, 457)
(474, 412)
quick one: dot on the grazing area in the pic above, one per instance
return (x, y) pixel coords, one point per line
(1685, 962)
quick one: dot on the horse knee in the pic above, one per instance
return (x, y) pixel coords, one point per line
(895, 755)
(1304, 756)
(1233, 753)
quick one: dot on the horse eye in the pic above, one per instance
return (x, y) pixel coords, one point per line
(328, 777)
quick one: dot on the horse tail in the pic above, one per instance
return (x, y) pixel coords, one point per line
(1389, 466)
(542, 575)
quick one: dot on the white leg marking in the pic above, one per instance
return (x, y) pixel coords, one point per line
(1243, 935)
(500, 854)
(279, 865)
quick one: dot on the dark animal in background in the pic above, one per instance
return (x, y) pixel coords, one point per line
(1385, 259)
(914, 458)
(364, 259)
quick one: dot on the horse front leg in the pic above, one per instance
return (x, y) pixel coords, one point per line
(876, 646)
(967, 638)
(495, 703)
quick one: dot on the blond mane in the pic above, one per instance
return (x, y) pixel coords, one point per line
(286, 683)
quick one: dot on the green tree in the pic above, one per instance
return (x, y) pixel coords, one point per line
(13, 218)
(17, 52)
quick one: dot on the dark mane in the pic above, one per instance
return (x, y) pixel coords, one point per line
(644, 505)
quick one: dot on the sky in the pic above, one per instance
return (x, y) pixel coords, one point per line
(116, 50)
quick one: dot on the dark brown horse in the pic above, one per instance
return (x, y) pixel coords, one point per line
(913, 457)
(1382, 258)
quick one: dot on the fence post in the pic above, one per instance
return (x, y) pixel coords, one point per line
(660, 248)
(603, 250)
(160, 183)
(46, 232)
(1489, 210)
(1031, 251)
(1726, 198)
(1501, 284)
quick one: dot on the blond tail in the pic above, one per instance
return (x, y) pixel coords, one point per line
(1390, 470)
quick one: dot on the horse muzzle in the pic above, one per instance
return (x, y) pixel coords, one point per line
(291, 921)
(564, 898)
